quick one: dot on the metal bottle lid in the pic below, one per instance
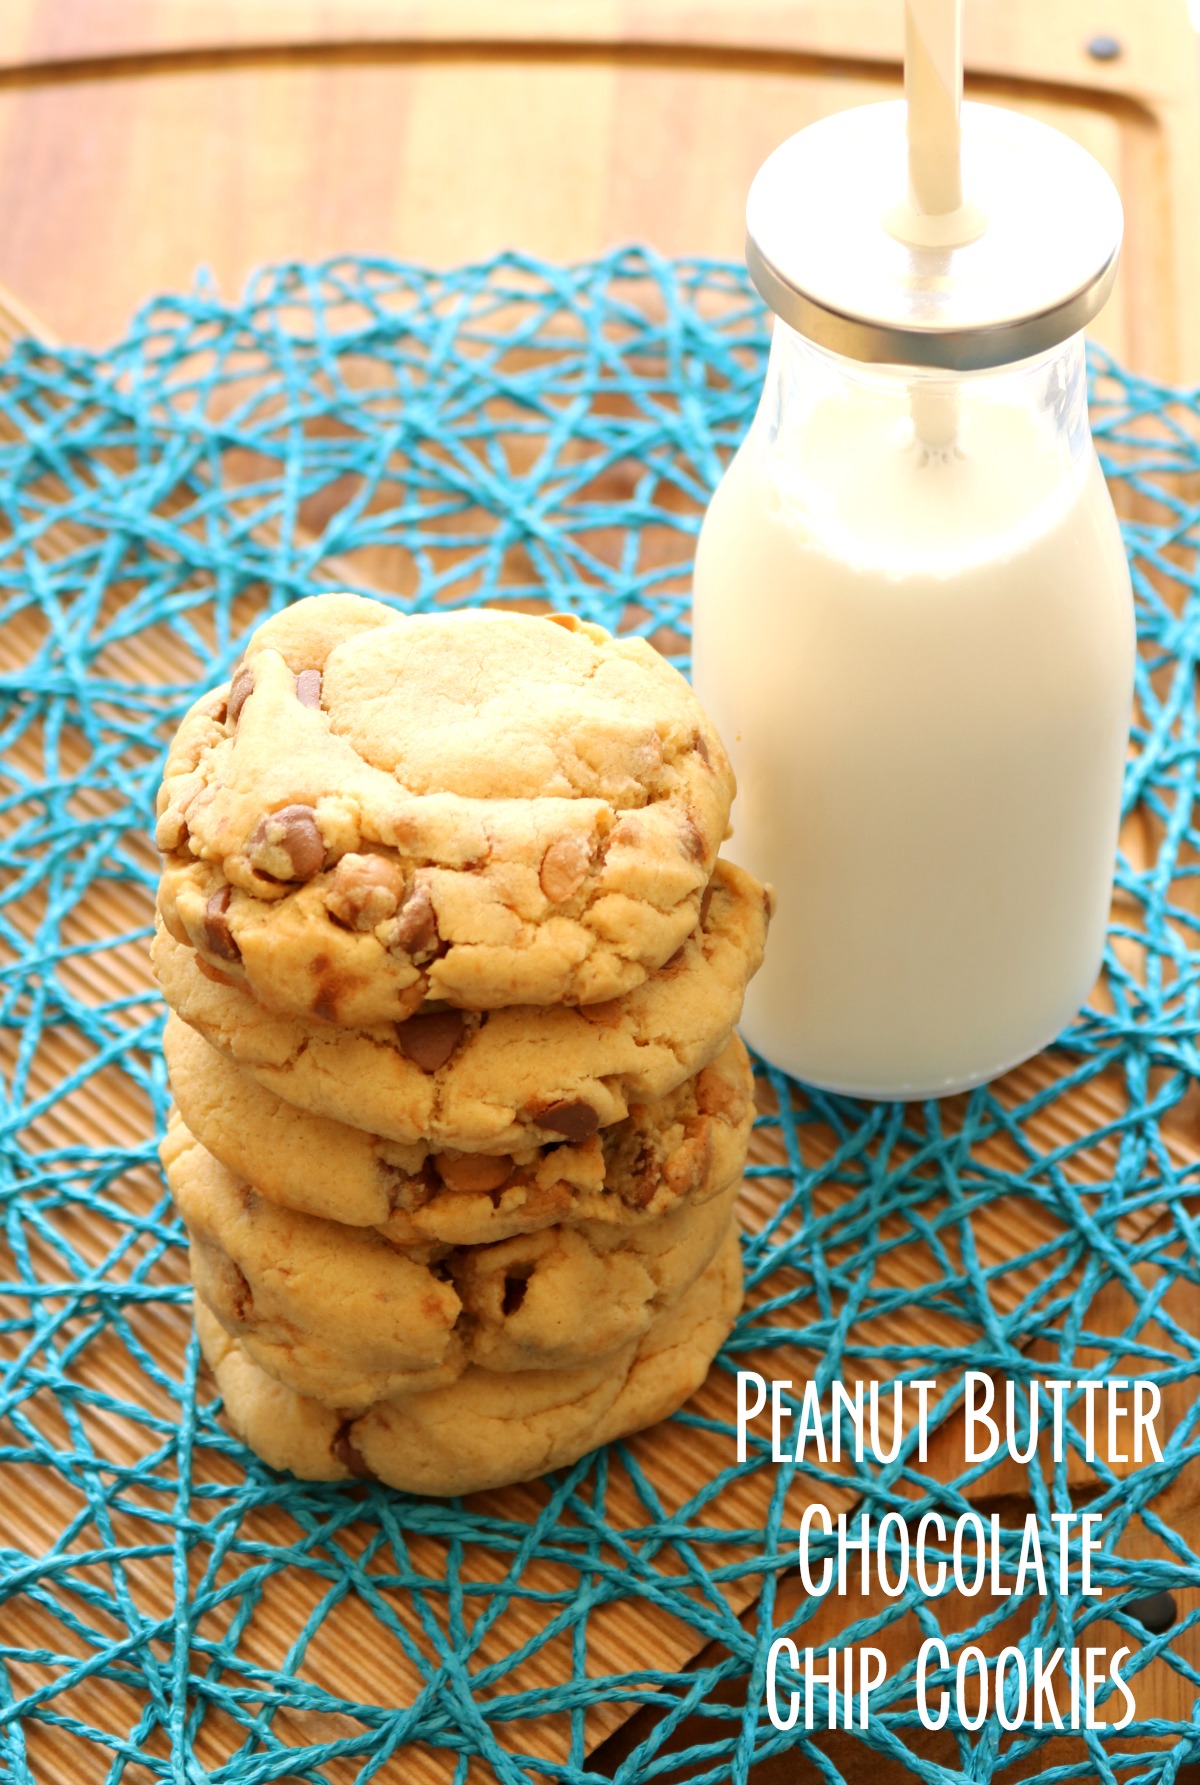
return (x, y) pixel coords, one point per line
(829, 241)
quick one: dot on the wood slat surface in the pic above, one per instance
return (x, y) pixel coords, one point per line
(348, 1659)
(142, 139)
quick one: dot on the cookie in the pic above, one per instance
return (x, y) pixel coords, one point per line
(478, 808)
(682, 1148)
(488, 1429)
(570, 1295)
(495, 1081)
(334, 1311)
(339, 1314)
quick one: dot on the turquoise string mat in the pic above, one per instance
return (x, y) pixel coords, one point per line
(169, 1608)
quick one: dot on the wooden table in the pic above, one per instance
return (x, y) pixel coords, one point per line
(143, 139)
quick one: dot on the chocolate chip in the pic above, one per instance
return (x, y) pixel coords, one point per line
(240, 690)
(348, 1455)
(308, 688)
(429, 1041)
(700, 746)
(571, 1117)
(225, 1285)
(216, 934)
(514, 1292)
(293, 831)
(415, 930)
(243, 1306)
(693, 842)
(325, 1002)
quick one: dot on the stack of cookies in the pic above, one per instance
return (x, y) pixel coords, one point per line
(453, 970)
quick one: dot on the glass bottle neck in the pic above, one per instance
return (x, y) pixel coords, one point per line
(891, 466)
(939, 409)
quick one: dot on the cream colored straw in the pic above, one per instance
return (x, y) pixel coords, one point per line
(933, 89)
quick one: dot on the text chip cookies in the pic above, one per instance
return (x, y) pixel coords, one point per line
(454, 971)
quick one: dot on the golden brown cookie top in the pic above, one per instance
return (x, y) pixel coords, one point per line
(489, 1427)
(338, 1314)
(678, 1151)
(478, 807)
(495, 1081)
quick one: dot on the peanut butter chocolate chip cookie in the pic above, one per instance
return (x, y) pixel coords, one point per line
(478, 808)
(338, 1314)
(488, 1429)
(496, 1081)
(680, 1149)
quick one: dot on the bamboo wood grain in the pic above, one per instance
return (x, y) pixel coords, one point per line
(141, 139)
(138, 137)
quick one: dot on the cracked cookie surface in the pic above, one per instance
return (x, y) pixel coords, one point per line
(488, 1429)
(682, 1148)
(479, 808)
(339, 1314)
(495, 1081)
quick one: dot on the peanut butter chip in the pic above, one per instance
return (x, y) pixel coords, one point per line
(415, 930)
(216, 934)
(308, 688)
(571, 1117)
(293, 832)
(364, 891)
(241, 688)
(429, 1041)
(564, 868)
(473, 1173)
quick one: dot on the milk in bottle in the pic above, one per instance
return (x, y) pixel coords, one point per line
(920, 659)
(913, 620)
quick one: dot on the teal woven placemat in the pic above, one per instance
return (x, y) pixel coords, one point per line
(507, 433)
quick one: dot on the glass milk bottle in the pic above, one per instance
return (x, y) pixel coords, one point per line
(913, 617)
